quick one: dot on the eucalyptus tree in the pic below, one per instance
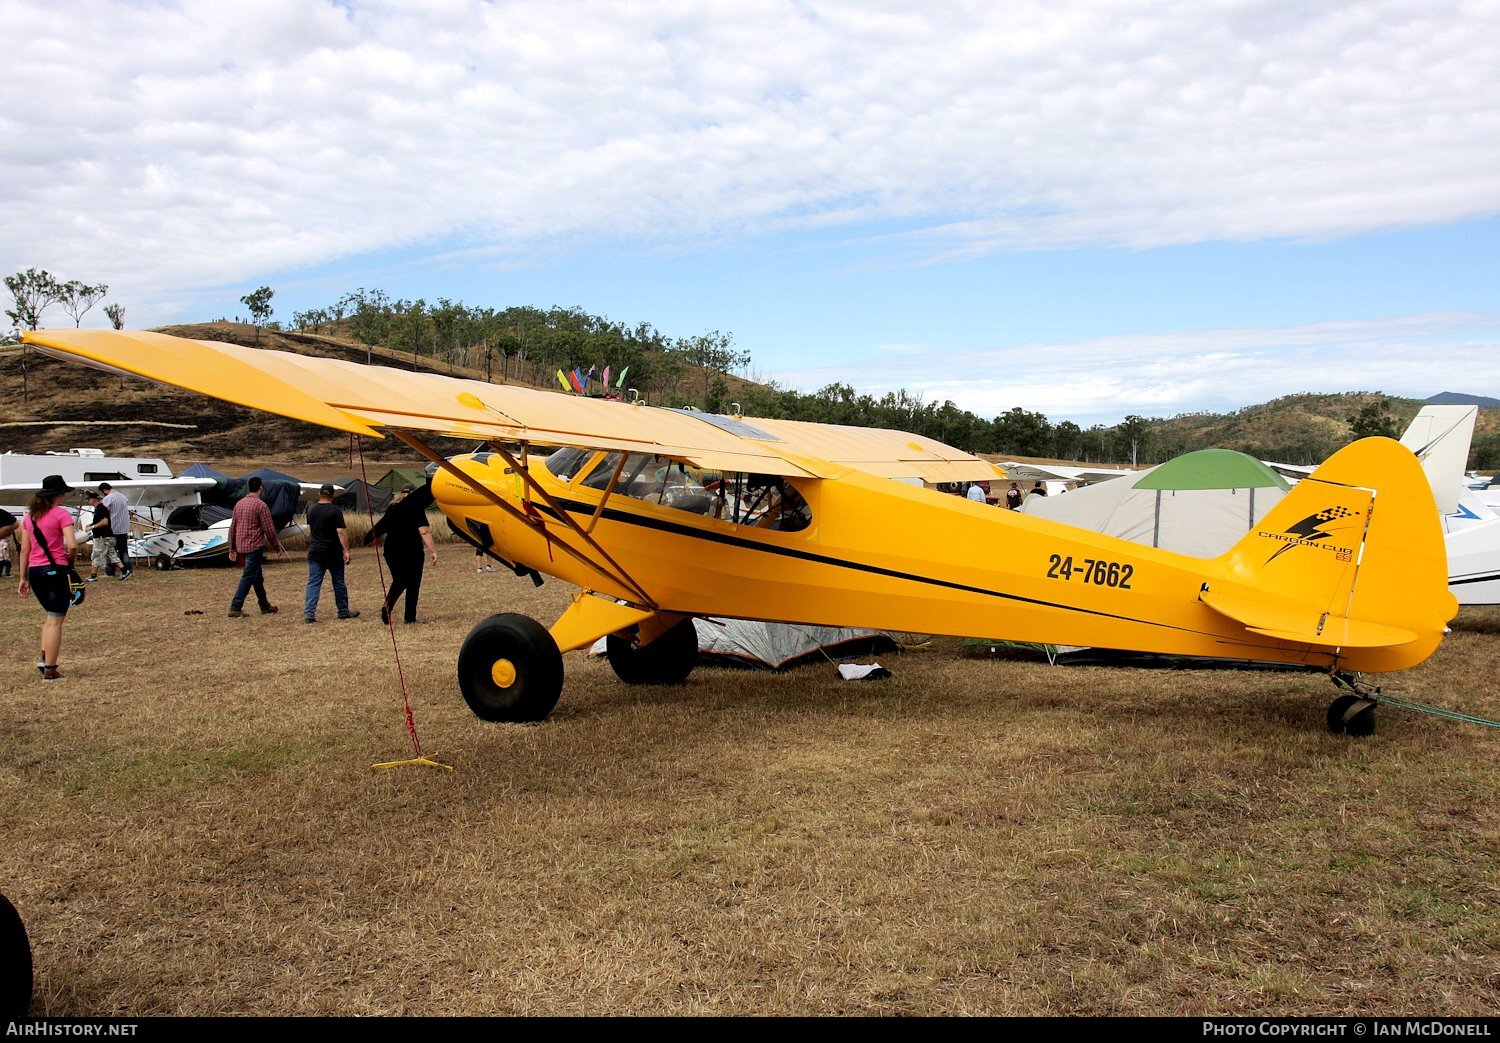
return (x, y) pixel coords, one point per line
(77, 298)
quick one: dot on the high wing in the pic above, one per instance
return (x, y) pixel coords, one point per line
(360, 399)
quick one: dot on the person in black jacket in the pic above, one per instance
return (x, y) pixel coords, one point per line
(406, 534)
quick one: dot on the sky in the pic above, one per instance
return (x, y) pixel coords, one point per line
(1087, 209)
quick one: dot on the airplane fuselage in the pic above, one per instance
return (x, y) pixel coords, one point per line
(884, 555)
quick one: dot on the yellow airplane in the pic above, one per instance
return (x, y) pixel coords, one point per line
(660, 515)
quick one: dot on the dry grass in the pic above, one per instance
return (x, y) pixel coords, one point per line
(192, 826)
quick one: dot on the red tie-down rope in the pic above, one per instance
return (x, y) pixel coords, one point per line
(356, 448)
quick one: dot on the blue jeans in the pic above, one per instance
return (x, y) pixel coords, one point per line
(315, 571)
(251, 577)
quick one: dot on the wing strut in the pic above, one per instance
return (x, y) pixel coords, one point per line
(615, 574)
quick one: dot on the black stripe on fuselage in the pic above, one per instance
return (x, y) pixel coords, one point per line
(1474, 579)
(678, 529)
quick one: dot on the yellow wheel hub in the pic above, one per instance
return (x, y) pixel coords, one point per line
(504, 672)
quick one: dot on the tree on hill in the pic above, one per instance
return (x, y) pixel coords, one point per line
(77, 298)
(1133, 432)
(1375, 419)
(713, 353)
(115, 313)
(31, 292)
(259, 303)
(370, 316)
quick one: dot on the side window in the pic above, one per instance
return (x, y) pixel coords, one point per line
(759, 500)
(603, 471)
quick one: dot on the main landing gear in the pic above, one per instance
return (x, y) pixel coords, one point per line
(509, 667)
(1353, 713)
(667, 660)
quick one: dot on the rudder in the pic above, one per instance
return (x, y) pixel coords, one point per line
(1351, 559)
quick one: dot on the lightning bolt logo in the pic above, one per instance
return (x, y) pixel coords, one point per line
(1313, 528)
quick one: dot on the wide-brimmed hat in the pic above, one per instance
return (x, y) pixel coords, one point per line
(53, 485)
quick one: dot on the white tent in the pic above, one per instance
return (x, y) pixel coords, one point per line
(1199, 504)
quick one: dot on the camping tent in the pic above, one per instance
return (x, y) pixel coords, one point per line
(396, 477)
(777, 646)
(362, 498)
(1199, 504)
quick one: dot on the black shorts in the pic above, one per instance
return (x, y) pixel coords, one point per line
(50, 585)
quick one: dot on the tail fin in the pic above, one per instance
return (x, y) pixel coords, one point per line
(1352, 559)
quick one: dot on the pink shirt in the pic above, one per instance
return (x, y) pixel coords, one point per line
(53, 522)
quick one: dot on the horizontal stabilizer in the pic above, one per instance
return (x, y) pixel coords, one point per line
(1303, 625)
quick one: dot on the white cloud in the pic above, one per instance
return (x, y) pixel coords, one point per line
(167, 146)
(1105, 379)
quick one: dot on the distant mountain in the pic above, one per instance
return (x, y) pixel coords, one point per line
(1456, 398)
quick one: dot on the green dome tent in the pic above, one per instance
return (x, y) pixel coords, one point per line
(1199, 504)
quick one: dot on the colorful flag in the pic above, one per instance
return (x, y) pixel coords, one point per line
(577, 384)
(563, 381)
(621, 382)
(606, 376)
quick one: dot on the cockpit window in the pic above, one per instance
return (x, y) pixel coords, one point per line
(565, 462)
(763, 501)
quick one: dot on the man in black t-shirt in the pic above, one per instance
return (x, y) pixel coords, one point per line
(327, 552)
(102, 538)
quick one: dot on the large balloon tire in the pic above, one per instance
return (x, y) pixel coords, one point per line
(509, 669)
(667, 660)
(15, 963)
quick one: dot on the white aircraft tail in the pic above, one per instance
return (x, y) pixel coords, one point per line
(1440, 436)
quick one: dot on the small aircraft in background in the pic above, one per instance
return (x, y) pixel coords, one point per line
(661, 515)
(1440, 437)
(185, 519)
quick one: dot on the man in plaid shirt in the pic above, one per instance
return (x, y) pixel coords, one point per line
(250, 530)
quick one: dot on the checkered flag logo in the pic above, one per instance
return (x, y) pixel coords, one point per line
(1314, 527)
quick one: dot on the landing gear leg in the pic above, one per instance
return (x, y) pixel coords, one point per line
(1353, 713)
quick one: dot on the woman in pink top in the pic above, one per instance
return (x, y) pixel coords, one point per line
(47, 547)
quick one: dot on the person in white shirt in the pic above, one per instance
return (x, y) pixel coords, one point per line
(119, 524)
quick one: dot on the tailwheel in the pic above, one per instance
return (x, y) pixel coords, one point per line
(667, 660)
(1351, 715)
(509, 669)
